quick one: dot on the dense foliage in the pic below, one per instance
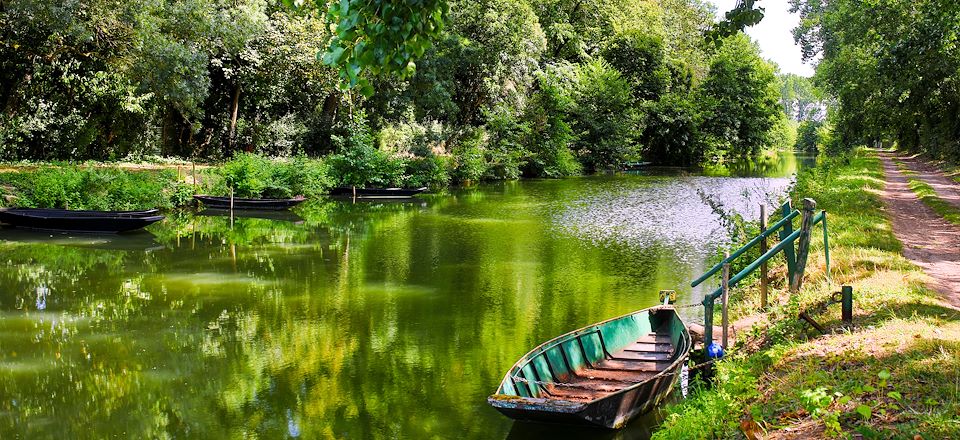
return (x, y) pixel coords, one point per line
(396, 93)
(893, 67)
(96, 188)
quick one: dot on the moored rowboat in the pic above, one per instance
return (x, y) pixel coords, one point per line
(79, 221)
(602, 375)
(376, 193)
(241, 203)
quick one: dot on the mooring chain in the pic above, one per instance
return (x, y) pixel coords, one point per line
(675, 307)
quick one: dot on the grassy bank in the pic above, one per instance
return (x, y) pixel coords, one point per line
(896, 373)
(126, 186)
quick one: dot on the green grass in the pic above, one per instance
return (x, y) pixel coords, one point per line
(929, 197)
(895, 374)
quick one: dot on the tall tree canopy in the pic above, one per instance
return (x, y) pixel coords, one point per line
(893, 66)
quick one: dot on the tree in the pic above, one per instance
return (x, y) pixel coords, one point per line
(381, 37)
(641, 59)
(604, 119)
(801, 101)
(808, 135)
(740, 96)
(892, 66)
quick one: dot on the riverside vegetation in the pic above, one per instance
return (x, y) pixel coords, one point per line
(894, 374)
(492, 90)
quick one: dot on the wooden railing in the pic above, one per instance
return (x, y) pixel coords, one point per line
(796, 260)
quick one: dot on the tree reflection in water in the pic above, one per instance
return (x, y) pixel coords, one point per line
(361, 320)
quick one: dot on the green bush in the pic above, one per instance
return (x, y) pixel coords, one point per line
(505, 149)
(469, 164)
(671, 135)
(254, 176)
(104, 189)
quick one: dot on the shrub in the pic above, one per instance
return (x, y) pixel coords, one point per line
(469, 164)
(808, 135)
(252, 175)
(505, 151)
(106, 189)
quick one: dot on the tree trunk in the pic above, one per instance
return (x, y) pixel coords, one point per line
(235, 107)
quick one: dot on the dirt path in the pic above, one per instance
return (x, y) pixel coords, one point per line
(928, 240)
(945, 187)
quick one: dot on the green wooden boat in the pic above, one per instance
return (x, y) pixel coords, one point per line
(603, 375)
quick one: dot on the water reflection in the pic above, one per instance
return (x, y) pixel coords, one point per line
(362, 320)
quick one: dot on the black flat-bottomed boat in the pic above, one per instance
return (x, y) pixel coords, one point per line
(79, 221)
(601, 375)
(376, 193)
(215, 202)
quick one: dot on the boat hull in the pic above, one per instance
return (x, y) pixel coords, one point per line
(537, 387)
(376, 193)
(79, 221)
(215, 202)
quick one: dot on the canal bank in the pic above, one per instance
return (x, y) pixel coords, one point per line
(895, 373)
(330, 322)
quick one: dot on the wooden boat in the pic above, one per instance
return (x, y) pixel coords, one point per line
(241, 203)
(601, 375)
(376, 193)
(79, 221)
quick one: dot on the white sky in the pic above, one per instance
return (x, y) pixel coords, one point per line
(774, 34)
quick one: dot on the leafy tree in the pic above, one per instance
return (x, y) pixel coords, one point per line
(641, 59)
(740, 96)
(743, 15)
(381, 36)
(892, 67)
(808, 135)
(671, 135)
(801, 100)
(604, 119)
(550, 137)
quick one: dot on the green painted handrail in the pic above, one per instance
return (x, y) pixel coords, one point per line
(746, 247)
(763, 259)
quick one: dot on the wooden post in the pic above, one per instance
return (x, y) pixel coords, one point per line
(826, 247)
(763, 250)
(788, 253)
(193, 166)
(726, 298)
(231, 207)
(803, 246)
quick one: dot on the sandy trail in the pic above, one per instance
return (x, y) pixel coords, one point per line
(928, 240)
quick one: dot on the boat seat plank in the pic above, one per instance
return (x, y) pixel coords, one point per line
(643, 355)
(630, 365)
(649, 347)
(614, 375)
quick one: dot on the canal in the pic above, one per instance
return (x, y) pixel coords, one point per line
(345, 320)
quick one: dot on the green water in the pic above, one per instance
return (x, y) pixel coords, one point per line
(366, 320)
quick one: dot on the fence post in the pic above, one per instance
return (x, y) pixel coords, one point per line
(788, 253)
(707, 321)
(826, 247)
(726, 298)
(803, 245)
(846, 295)
(763, 250)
